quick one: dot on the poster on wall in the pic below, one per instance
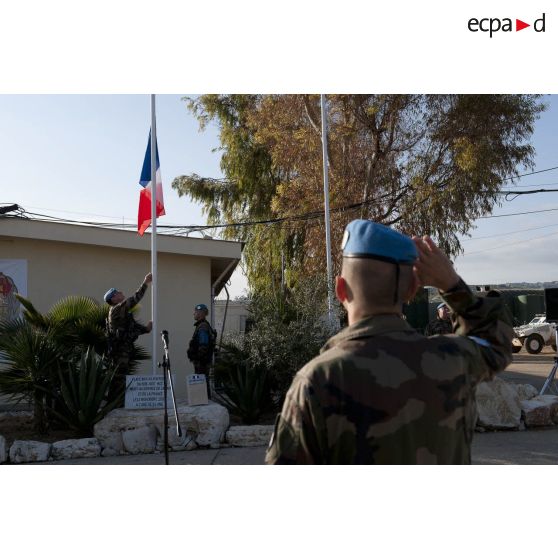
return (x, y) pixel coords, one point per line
(13, 280)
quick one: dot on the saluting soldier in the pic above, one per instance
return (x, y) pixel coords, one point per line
(442, 324)
(122, 331)
(380, 392)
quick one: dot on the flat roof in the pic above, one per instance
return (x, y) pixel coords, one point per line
(224, 254)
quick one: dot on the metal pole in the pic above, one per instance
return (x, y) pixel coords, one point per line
(154, 235)
(326, 209)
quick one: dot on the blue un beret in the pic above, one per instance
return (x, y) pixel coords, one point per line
(201, 307)
(441, 305)
(109, 294)
(366, 239)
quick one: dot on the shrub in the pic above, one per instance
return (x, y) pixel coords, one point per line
(288, 329)
(33, 349)
(245, 389)
(81, 398)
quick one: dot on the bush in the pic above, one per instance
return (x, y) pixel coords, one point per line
(287, 331)
(33, 349)
(245, 389)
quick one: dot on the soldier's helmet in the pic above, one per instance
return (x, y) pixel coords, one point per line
(201, 307)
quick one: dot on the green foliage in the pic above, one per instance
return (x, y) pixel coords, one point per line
(33, 349)
(76, 322)
(81, 396)
(245, 388)
(288, 330)
(29, 358)
(426, 164)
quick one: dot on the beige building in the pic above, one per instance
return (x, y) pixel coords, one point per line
(235, 319)
(56, 260)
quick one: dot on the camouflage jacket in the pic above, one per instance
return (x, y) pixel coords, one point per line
(438, 327)
(122, 328)
(381, 393)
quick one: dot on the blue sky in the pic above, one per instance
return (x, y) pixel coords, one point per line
(80, 156)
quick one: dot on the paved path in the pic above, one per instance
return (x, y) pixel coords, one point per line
(530, 369)
(530, 447)
(224, 456)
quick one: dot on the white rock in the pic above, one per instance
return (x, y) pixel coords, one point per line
(29, 451)
(536, 413)
(205, 424)
(3, 453)
(112, 444)
(525, 391)
(249, 436)
(140, 440)
(75, 449)
(185, 442)
(498, 405)
(552, 402)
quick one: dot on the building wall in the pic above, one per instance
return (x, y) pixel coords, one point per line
(59, 269)
(237, 314)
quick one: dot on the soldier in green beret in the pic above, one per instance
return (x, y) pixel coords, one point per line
(380, 392)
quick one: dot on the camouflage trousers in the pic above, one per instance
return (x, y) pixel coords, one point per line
(118, 385)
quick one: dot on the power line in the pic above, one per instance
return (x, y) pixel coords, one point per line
(515, 243)
(524, 192)
(521, 213)
(508, 233)
(528, 174)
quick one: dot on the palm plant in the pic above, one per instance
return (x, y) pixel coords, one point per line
(32, 350)
(29, 358)
(78, 322)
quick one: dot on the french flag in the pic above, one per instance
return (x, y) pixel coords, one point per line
(144, 210)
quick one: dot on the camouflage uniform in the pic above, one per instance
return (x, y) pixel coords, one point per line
(438, 327)
(122, 331)
(381, 393)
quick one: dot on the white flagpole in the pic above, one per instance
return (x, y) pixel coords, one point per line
(326, 209)
(154, 331)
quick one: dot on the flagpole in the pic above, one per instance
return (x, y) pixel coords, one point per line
(154, 235)
(326, 211)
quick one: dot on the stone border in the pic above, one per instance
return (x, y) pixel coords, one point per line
(129, 432)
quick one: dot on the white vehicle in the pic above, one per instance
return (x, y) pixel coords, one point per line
(535, 335)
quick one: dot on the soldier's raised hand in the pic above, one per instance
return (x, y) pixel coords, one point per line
(433, 267)
(148, 278)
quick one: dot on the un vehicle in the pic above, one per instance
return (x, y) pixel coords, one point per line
(535, 335)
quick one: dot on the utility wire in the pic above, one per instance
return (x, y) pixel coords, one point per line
(528, 174)
(521, 213)
(515, 243)
(508, 233)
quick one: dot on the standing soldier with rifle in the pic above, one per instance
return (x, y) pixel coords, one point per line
(122, 331)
